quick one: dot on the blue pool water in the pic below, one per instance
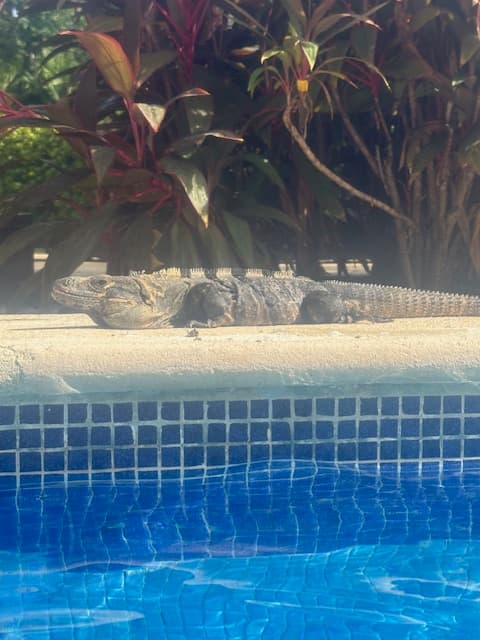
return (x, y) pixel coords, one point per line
(268, 551)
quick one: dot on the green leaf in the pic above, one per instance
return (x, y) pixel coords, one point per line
(242, 239)
(182, 250)
(364, 40)
(199, 110)
(267, 213)
(428, 153)
(111, 60)
(264, 166)
(470, 46)
(188, 144)
(193, 182)
(310, 49)
(151, 62)
(220, 251)
(132, 25)
(426, 15)
(102, 159)
(153, 114)
(105, 24)
(255, 79)
(296, 16)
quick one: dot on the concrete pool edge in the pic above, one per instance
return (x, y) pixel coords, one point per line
(58, 355)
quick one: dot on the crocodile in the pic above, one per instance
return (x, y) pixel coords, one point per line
(225, 297)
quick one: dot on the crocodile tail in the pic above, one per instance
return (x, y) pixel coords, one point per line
(387, 302)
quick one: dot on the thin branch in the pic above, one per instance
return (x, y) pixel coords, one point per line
(343, 184)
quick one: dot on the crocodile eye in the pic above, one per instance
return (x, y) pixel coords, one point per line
(99, 283)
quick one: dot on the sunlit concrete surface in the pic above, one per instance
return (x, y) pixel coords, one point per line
(46, 355)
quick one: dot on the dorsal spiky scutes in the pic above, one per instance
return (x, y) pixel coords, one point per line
(198, 273)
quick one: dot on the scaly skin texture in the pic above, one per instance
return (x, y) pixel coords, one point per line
(196, 297)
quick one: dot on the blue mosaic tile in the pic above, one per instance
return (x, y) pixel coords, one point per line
(472, 404)
(29, 438)
(472, 426)
(101, 459)
(409, 449)
(325, 407)
(368, 406)
(170, 456)
(123, 458)
(303, 408)
(346, 451)
(123, 435)
(389, 406)
(8, 439)
(281, 431)
(346, 429)
(7, 415)
(281, 409)
(7, 462)
(282, 451)
(303, 451)
(54, 461)
(77, 413)
(29, 414)
(238, 409)
(122, 412)
(367, 429)
(217, 432)
(100, 436)
(471, 448)
(452, 404)
(53, 414)
(216, 410)
(147, 457)
(452, 426)
(193, 456)
(259, 431)
(259, 452)
(302, 430)
(101, 413)
(346, 407)
(77, 437)
(238, 432)
(431, 427)
(431, 405)
(77, 460)
(192, 410)
(237, 454)
(53, 438)
(30, 461)
(325, 452)
(388, 428)
(193, 433)
(411, 405)
(451, 448)
(389, 450)
(431, 448)
(147, 411)
(147, 434)
(216, 456)
(410, 428)
(171, 433)
(259, 409)
(324, 429)
(367, 451)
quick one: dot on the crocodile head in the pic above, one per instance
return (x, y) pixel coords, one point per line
(121, 302)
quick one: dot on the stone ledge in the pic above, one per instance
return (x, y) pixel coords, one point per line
(52, 355)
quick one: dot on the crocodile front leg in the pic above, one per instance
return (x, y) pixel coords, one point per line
(209, 304)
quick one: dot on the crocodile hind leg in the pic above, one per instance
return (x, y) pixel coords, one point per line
(324, 307)
(209, 304)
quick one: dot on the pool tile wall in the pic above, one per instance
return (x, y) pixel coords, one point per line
(154, 439)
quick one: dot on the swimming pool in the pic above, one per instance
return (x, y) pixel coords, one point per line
(271, 550)
(286, 514)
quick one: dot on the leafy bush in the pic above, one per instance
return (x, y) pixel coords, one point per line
(29, 156)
